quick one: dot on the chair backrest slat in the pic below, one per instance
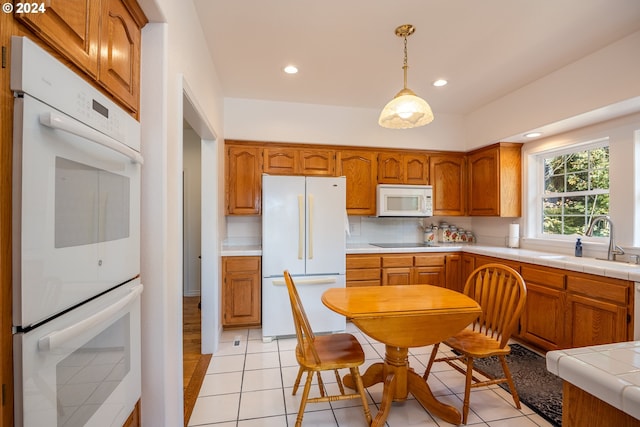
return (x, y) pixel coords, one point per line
(304, 333)
(501, 293)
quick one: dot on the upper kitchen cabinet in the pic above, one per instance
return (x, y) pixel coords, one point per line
(495, 180)
(361, 170)
(102, 38)
(72, 27)
(243, 192)
(403, 168)
(299, 161)
(447, 172)
(120, 33)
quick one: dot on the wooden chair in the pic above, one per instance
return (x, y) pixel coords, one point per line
(501, 292)
(324, 353)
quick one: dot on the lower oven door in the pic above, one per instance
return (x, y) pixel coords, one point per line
(83, 367)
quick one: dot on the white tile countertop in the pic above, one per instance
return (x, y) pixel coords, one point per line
(618, 270)
(610, 372)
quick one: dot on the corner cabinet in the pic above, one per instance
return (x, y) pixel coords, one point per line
(241, 291)
(495, 180)
(361, 170)
(101, 38)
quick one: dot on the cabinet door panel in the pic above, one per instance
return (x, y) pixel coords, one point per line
(483, 183)
(593, 322)
(119, 67)
(281, 161)
(453, 272)
(72, 27)
(396, 276)
(447, 177)
(360, 168)
(416, 169)
(428, 276)
(543, 318)
(389, 168)
(244, 181)
(318, 162)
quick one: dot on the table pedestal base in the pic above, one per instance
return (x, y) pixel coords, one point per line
(400, 380)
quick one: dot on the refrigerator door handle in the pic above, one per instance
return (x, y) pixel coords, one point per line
(320, 281)
(300, 224)
(310, 251)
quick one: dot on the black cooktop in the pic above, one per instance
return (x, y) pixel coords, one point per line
(402, 245)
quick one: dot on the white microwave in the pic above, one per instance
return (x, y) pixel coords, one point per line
(404, 200)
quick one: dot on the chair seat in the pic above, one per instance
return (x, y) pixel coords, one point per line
(475, 344)
(334, 351)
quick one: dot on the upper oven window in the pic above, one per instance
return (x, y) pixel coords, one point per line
(91, 204)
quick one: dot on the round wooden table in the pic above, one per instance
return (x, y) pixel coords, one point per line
(402, 317)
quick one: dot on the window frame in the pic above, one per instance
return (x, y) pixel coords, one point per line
(539, 172)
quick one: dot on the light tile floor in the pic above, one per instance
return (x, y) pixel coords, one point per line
(249, 384)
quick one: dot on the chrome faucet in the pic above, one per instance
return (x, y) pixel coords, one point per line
(613, 248)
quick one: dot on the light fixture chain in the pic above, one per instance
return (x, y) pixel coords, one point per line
(405, 64)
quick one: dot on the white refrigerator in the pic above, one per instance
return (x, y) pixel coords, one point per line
(303, 231)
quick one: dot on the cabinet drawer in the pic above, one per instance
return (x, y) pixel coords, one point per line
(610, 289)
(362, 262)
(428, 260)
(242, 264)
(363, 274)
(358, 283)
(544, 277)
(397, 261)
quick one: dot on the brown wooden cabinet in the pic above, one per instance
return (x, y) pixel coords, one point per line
(134, 419)
(243, 192)
(363, 270)
(403, 168)
(454, 278)
(542, 321)
(71, 27)
(447, 175)
(241, 291)
(361, 170)
(413, 269)
(495, 176)
(102, 38)
(299, 161)
(597, 310)
(120, 43)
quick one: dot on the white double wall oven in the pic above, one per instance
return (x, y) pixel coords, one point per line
(76, 248)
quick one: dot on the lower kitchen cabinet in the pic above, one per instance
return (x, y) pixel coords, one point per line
(542, 321)
(567, 309)
(363, 270)
(241, 291)
(597, 310)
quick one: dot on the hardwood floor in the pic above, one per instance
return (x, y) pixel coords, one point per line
(194, 364)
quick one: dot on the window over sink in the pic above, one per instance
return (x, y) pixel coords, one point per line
(573, 188)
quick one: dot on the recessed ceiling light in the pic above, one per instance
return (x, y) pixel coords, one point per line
(291, 69)
(440, 82)
(532, 134)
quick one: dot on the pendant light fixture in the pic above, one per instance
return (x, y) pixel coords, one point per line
(406, 109)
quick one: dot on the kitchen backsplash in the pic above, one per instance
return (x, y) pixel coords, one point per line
(246, 230)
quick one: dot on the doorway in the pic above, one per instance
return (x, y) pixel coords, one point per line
(200, 288)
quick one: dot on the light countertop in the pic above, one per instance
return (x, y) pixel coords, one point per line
(619, 270)
(610, 372)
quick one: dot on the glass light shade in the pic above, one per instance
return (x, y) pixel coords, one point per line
(405, 111)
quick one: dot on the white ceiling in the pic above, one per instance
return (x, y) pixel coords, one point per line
(348, 54)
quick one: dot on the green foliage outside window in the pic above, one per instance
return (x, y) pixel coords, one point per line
(576, 188)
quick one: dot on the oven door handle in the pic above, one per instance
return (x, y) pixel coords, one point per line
(57, 339)
(57, 121)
